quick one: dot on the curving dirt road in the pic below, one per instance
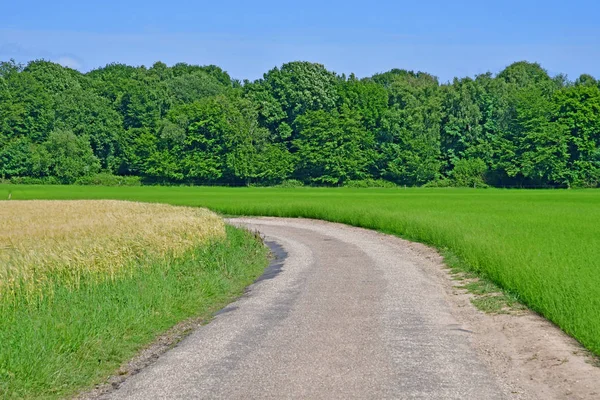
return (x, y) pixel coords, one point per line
(345, 313)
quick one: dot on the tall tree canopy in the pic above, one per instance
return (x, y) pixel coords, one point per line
(190, 124)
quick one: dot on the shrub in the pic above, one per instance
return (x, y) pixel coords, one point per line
(439, 183)
(107, 179)
(28, 180)
(370, 183)
(291, 183)
(469, 173)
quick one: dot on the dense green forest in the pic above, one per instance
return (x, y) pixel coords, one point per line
(189, 124)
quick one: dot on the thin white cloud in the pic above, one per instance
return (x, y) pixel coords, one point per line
(69, 62)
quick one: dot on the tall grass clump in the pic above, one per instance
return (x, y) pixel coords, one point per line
(84, 285)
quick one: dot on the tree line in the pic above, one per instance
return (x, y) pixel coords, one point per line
(189, 124)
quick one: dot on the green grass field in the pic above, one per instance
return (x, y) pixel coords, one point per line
(543, 246)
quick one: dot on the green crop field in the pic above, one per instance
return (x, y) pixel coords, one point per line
(543, 246)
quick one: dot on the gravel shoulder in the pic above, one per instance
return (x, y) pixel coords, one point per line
(352, 313)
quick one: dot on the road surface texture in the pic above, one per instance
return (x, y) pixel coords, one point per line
(348, 313)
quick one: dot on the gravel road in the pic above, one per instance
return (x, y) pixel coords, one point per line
(343, 313)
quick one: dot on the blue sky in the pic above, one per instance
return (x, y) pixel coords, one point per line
(247, 38)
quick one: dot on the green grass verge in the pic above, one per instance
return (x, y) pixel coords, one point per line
(57, 346)
(543, 246)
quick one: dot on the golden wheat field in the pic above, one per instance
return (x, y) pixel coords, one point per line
(48, 241)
